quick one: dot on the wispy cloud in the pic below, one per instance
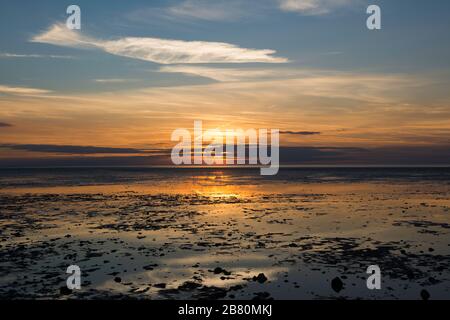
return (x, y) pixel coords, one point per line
(114, 80)
(301, 133)
(288, 83)
(162, 51)
(5, 125)
(67, 149)
(315, 7)
(375, 109)
(293, 155)
(207, 10)
(228, 74)
(22, 90)
(189, 11)
(38, 56)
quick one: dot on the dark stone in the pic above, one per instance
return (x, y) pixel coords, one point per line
(425, 295)
(218, 270)
(433, 280)
(236, 287)
(189, 286)
(118, 279)
(337, 284)
(262, 296)
(261, 278)
(65, 291)
(150, 266)
(210, 293)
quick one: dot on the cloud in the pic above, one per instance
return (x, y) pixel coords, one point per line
(49, 148)
(39, 56)
(162, 51)
(381, 156)
(295, 155)
(207, 10)
(228, 74)
(22, 90)
(114, 80)
(59, 35)
(86, 161)
(301, 133)
(318, 155)
(236, 74)
(5, 125)
(190, 11)
(376, 110)
(314, 7)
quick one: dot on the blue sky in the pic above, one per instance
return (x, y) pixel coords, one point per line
(414, 38)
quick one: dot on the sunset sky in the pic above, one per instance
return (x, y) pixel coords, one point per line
(113, 92)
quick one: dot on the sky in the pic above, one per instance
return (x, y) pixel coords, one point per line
(113, 92)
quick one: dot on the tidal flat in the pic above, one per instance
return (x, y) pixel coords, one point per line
(225, 233)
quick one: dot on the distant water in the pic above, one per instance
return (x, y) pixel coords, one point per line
(47, 177)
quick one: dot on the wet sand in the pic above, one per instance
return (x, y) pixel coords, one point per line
(225, 235)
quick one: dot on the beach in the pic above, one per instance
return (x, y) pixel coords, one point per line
(224, 233)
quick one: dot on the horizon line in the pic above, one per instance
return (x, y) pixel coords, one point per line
(312, 166)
